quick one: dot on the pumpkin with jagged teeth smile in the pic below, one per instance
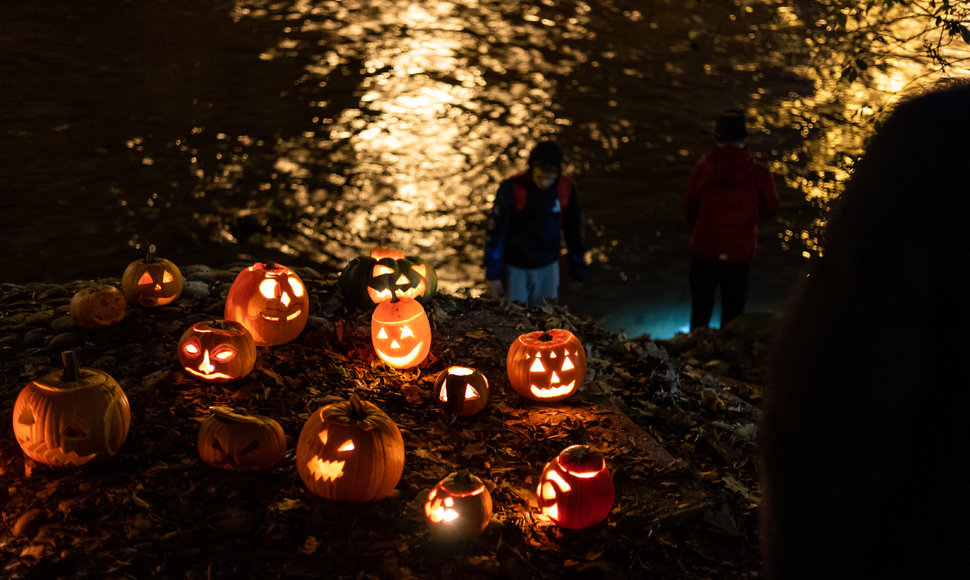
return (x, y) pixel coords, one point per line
(350, 451)
(546, 366)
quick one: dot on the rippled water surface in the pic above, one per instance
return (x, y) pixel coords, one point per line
(310, 132)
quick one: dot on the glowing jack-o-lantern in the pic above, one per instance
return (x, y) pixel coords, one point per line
(546, 366)
(237, 441)
(350, 451)
(461, 391)
(401, 333)
(576, 489)
(71, 417)
(217, 351)
(386, 273)
(460, 506)
(98, 306)
(271, 302)
(153, 281)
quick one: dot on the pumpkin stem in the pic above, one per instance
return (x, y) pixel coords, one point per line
(150, 256)
(463, 476)
(545, 336)
(72, 371)
(357, 409)
(579, 453)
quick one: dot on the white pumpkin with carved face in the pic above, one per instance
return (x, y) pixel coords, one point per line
(401, 332)
(271, 302)
(350, 451)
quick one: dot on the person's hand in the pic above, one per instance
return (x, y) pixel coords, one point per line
(495, 288)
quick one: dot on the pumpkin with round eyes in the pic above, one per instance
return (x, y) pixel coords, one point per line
(461, 391)
(270, 301)
(459, 507)
(369, 280)
(98, 306)
(217, 351)
(546, 366)
(401, 332)
(576, 489)
(152, 281)
(71, 417)
(234, 440)
(350, 451)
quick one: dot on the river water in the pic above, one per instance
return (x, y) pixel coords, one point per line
(310, 131)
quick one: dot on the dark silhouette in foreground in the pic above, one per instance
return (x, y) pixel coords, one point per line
(865, 433)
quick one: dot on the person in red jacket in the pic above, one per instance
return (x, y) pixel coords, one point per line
(728, 192)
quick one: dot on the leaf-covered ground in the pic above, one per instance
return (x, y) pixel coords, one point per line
(676, 420)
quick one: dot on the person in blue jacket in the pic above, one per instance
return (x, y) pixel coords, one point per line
(523, 240)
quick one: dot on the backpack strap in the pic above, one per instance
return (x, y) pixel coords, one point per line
(520, 186)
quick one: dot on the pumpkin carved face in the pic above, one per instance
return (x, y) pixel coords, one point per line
(546, 366)
(350, 451)
(461, 391)
(71, 418)
(217, 351)
(151, 282)
(98, 306)
(576, 489)
(386, 273)
(401, 333)
(236, 441)
(460, 506)
(271, 302)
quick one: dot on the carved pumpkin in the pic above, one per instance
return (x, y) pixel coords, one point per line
(401, 333)
(546, 366)
(217, 351)
(98, 306)
(459, 506)
(461, 391)
(236, 441)
(350, 451)
(576, 488)
(151, 282)
(71, 417)
(271, 302)
(367, 281)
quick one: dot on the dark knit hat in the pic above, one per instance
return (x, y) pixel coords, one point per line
(730, 127)
(546, 154)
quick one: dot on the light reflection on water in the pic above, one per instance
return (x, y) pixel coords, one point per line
(361, 123)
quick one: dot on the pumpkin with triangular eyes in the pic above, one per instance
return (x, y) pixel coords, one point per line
(401, 332)
(270, 301)
(546, 365)
(71, 417)
(234, 440)
(461, 391)
(217, 351)
(350, 451)
(576, 489)
(459, 507)
(369, 280)
(98, 306)
(152, 281)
